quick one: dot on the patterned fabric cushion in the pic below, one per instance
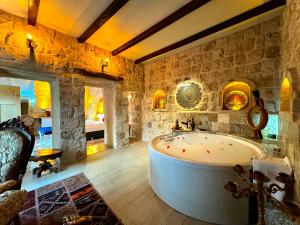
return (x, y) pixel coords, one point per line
(11, 144)
(8, 185)
(11, 203)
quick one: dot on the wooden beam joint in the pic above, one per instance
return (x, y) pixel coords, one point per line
(102, 75)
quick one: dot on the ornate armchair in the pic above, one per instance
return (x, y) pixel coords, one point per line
(16, 145)
(11, 202)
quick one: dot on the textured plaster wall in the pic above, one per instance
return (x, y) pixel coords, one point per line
(251, 55)
(59, 54)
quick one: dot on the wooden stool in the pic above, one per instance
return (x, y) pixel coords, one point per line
(44, 155)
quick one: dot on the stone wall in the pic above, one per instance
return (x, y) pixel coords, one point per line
(251, 55)
(135, 114)
(290, 68)
(59, 54)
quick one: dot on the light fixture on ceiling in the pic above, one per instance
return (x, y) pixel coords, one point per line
(104, 63)
(30, 42)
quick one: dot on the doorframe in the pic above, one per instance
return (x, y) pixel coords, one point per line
(109, 88)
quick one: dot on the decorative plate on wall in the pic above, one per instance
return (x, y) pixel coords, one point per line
(236, 100)
(188, 94)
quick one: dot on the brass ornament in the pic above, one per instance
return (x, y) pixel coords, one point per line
(236, 100)
(188, 94)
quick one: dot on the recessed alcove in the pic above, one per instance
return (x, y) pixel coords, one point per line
(159, 101)
(235, 96)
(285, 95)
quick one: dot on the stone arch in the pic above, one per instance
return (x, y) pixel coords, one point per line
(159, 100)
(246, 82)
(291, 96)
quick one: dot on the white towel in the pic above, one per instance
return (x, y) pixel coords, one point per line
(271, 166)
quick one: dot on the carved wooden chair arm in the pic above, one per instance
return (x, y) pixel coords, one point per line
(8, 185)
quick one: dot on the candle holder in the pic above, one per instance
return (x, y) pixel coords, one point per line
(31, 44)
(289, 208)
(104, 63)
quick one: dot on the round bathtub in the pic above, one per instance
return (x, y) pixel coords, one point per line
(188, 172)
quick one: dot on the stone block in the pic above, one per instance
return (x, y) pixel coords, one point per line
(223, 127)
(230, 50)
(235, 118)
(240, 59)
(273, 51)
(253, 31)
(209, 46)
(255, 55)
(223, 118)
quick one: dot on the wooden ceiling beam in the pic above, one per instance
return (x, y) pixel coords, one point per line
(33, 9)
(178, 14)
(102, 75)
(111, 10)
(268, 6)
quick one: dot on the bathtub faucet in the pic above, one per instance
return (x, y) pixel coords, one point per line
(190, 124)
(187, 123)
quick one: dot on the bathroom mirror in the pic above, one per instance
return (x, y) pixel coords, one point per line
(188, 94)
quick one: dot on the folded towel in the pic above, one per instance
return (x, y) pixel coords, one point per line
(271, 166)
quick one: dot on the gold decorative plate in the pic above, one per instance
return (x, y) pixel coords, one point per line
(236, 100)
(188, 94)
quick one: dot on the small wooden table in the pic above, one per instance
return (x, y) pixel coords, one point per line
(44, 155)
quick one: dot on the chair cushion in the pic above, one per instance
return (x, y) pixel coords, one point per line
(11, 144)
(11, 203)
(8, 185)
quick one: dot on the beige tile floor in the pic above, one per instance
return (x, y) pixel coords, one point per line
(120, 176)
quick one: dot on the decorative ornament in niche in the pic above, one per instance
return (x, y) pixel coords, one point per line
(236, 95)
(236, 100)
(159, 100)
(188, 94)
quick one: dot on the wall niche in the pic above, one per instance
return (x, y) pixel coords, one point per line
(235, 96)
(285, 95)
(159, 101)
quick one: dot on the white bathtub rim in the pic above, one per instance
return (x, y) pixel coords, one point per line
(204, 164)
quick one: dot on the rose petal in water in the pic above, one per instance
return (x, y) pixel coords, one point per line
(183, 150)
(207, 151)
(168, 146)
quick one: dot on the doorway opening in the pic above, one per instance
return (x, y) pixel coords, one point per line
(31, 101)
(94, 119)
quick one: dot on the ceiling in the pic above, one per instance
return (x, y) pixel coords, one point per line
(73, 17)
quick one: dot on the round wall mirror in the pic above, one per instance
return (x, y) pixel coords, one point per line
(188, 94)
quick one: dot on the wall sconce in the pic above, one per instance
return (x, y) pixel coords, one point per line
(104, 63)
(30, 42)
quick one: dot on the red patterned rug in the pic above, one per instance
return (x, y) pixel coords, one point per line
(74, 195)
